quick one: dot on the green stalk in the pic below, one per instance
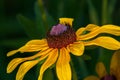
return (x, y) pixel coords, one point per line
(83, 67)
(44, 15)
(104, 11)
(104, 55)
(74, 74)
(93, 13)
(104, 21)
(48, 75)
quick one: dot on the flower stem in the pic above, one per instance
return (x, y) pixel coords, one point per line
(48, 75)
(83, 67)
(104, 11)
(104, 21)
(74, 74)
(44, 15)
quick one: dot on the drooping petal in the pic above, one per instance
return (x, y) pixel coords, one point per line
(12, 52)
(77, 48)
(53, 55)
(115, 64)
(110, 29)
(14, 63)
(80, 31)
(43, 52)
(101, 70)
(91, 78)
(106, 42)
(31, 46)
(36, 42)
(24, 68)
(91, 27)
(63, 67)
(15, 51)
(34, 45)
(39, 54)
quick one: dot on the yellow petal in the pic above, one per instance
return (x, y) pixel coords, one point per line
(91, 27)
(24, 68)
(110, 29)
(101, 70)
(66, 54)
(91, 78)
(106, 42)
(115, 61)
(80, 31)
(63, 67)
(13, 64)
(42, 52)
(65, 21)
(49, 61)
(12, 53)
(115, 64)
(77, 48)
(39, 54)
(36, 42)
(33, 45)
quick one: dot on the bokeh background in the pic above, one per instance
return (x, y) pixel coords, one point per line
(23, 20)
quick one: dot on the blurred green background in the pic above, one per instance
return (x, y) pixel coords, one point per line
(23, 20)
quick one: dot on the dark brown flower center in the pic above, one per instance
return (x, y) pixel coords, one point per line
(60, 36)
(109, 77)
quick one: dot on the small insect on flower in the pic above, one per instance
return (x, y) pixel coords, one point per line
(60, 41)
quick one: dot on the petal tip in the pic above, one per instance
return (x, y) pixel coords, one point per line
(11, 53)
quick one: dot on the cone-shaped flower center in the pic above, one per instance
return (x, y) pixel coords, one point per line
(109, 77)
(60, 36)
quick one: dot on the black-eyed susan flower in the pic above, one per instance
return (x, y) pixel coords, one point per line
(60, 41)
(114, 69)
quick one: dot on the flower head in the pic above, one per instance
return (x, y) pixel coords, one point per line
(60, 41)
(114, 69)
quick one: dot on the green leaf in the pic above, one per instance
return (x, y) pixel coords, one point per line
(43, 19)
(29, 26)
(39, 20)
(104, 12)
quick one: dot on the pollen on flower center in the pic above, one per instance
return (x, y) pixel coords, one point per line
(60, 36)
(56, 30)
(108, 77)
